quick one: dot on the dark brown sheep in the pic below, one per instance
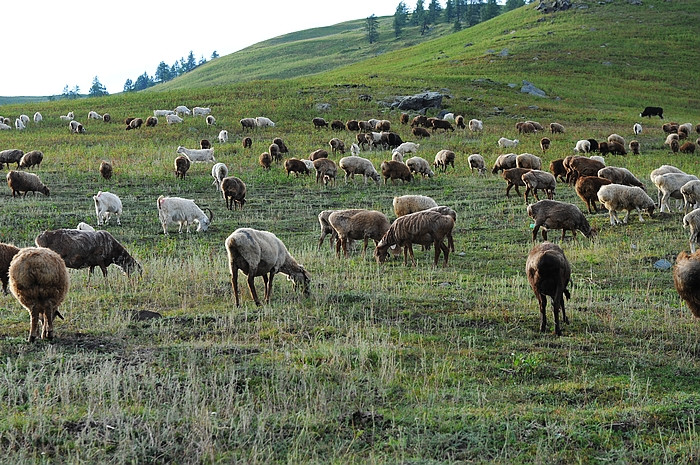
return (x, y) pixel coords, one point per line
(545, 142)
(687, 147)
(21, 181)
(513, 177)
(274, 151)
(296, 166)
(583, 166)
(233, 191)
(316, 154)
(204, 144)
(7, 253)
(182, 165)
(280, 143)
(675, 146)
(337, 145)
(135, 123)
(403, 119)
(358, 225)
(319, 123)
(634, 147)
(556, 167)
(106, 169)
(587, 189)
(459, 121)
(552, 214)
(549, 272)
(106, 117)
(395, 170)
(525, 128)
(686, 278)
(29, 159)
(420, 132)
(383, 125)
(436, 123)
(151, 122)
(420, 121)
(352, 125)
(556, 128)
(337, 125)
(265, 160)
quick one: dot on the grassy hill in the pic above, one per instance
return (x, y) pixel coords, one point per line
(381, 364)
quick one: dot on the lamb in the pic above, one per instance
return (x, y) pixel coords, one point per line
(637, 129)
(76, 127)
(669, 185)
(337, 145)
(634, 147)
(652, 111)
(309, 164)
(513, 178)
(686, 279)
(316, 154)
(38, 118)
(88, 249)
(358, 225)
(477, 162)
(449, 116)
(424, 227)
(536, 179)
(583, 146)
(691, 195)
(587, 188)
(21, 181)
(507, 143)
(396, 156)
(263, 122)
(620, 176)
(106, 169)
(32, 158)
(233, 191)
(183, 212)
(549, 273)
(528, 160)
(419, 165)
(476, 125)
(261, 253)
(319, 123)
(219, 171)
(552, 214)
(106, 206)
(173, 119)
(94, 115)
(39, 281)
(504, 162)
(265, 160)
(337, 125)
(407, 147)
(395, 170)
(200, 111)
(247, 142)
(556, 128)
(355, 149)
(459, 121)
(182, 109)
(211, 121)
(197, 155)
(353, 165)
(420, 132)
(616, 197)
(182, 165)
(326, 170)
(556, 167)
(407, 204)
(7, 253)
(443, 159)
(296, 166)
(151, 122)
(223, 136)
(545, 143)
(692, 220)
(248, 123)
(163, 113)
(687, 147)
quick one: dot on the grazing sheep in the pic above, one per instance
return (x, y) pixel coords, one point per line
(7, 253)
(582, 146)
(38, 118)
(407, 147)
(420, 132)
(352, 225)
(507, 143)
(182, 109)
(263, 122)
(424, 228)
(582, 166)
(595, 147)
(296, 166)
(395, 170)
(670, 138)
(556, 128)
(223, 136)
(675, 146)
(634, 147)
(524, 127)
(544, 144)
(383, 125)
(537, 125)
(352, 125)
(528, 160)
(692, 220)
(620, 176)
(685, 128)
(82, 226)
(280, 144)
(211, 121)
(88, 249)
(504, 162)
(4, 127)
(617, 138)
(355, 149)
(421, 121)
(686, 279)
(76, 127)
(552, 214)
(397, 156)
(32, 158)
(163, 112)
(407, 204)
(265, 160)
(691, 195)
(513, 178)
(637, 129)
(587, 188)
(337, 145)
(309, 164)
(337, 125)
(419, 165)
(549, 273)
(403, 119)
(201, 111)
(182, 165)
(173, 119)
(669, 185)
(390, 140)
(248, 123)
(67, 117)
(614, 148)
(670, 128)
(19, 125)
(261, 253)
(687, 147)
(197, 155)
(21, 181)
(477, 162)
(151, 122)
(459, 122)
(556, 167)
(274, 151)
(319, 153)
(106, 206)
(616, 197)
(204, 144)
(326, 171)
(183, 212)
(652, 111)
(443, 159)
(39, 281)
(476, 125)
(247, 142)
(219, 171)
(445, 210)
(135, 123)
(537, 179)
(233, 191)
(362, 140)
(326, 228)
(353, 165)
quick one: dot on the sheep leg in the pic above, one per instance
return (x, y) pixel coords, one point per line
(410, 251)
(364, 247)
(664, 202)
(627, 215)
(613, 218)
(234, 285)
(268, 287)
(251, 287)
(534, 232)
(641, 220)
(555, 308)
(527, 191)
(542, 299)
(47, 327)
(33, 324)
(451, 243)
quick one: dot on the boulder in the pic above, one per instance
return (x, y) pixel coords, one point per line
(529, 88)
(419, 101)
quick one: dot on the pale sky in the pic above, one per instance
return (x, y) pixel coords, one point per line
(48, 44)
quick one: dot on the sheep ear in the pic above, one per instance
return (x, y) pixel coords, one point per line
(392, 247)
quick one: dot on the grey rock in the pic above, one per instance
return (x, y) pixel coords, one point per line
(529, 88)
(419, 101)
(663, 264)
(323, 107)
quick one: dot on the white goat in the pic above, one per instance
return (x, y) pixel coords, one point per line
(198, 155)
(182, 109)
(263, 122)
(223, 136)
(183, 212)
(106, 206)
(669, 185)
(173, 119)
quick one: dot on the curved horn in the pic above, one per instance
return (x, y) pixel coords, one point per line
(211, 214)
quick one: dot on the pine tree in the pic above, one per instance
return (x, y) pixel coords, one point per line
(449, 12)
(128, 85)
(490, 10)
(163, 73)
(418, 15)
(190, 64)
(513, 4)
(400, 18)
(97, 88)
(371, 27)
(434, 10)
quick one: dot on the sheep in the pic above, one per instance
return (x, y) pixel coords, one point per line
(201, 111)
(652, 111)
(182, 211)
(528, 160)
(373, 139)
(634, 147)
(670, 128)
(407, 204)
(587, 189)
(476, 125)
(326, 228)
(337, 125)
(182, 165)
(663, 169)
(355, 149)
(197, 155)
(32, 158)
(82, 226)
(637, 129)
(233, 191)
(686, 128)
(7, 253)
(219, 171)
(316, 154)
(504, 162)
(595, 147)
(513, 178)
(613, 147)
(395, 170)
(686, 279)
(38, 118)
(353, 165)
(261, 253)
(552, 214)
(383, 125)
(617, 197)
(692, 220)
(135, 123)
(556, 128)
(675, 146)
(419, 165)
(4, 127)
(274, 151)
(582, 166)
(93, 115)
(263, 122)
(223, 136)
(691, 195)
(598, 158)
(423, 227)
(21, 181)
(620, 176)
(477, 162)
(556, 167)
(403, 119)
(545, 143)
(204, 144)
(436, 123)
(76, 127)
(669, 185)
(151, 122)
(280, 144)
(352, 125)
(445, 210)
(687, 147)
(549, 273)
(507, 143)
(182, 109)
(407, 147)
(524, 127)
(420, 132)
(211, 121)
(670, 138)
(265, 160)
(390, 140)
(616, 138)
(443, 159)
(357, 225)
(248, 123)
(247, 142)
(163, 112)
(309, 165)
(337, 145)
(173, 119)
(326, 170)
(106, 170)
(459, 122)
(89, 249)
(296, 166)
(420, 120)
(106, 206)
(25, 120)
(536, 179)
(448, 116)
(39, 281)
(361, 139)
(19, 125)
(67, 117)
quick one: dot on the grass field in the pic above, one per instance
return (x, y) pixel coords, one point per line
(381, 364)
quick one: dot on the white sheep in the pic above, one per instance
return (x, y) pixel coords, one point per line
(476, 125)
(5, 127)
(67, 117)
(616, 197)
(223, 136)
(637, 128)
(355, 149)
(173, 119)
(671, 137)
(163, 112)
(598, 158)
(263, 122)
(309, 165)
(106, 206)
(219, 171)
(76, 127)
(38, 118)
(197, 155)
(506, 143)
(94, 115)
(353, 165)
(407, 147)
(182, 109)
(691, 195)
(397, 156)
(692, 221)
(211, 121)
(669, 185)
(583, 146)
(477, 162)
(419, 165)
(82, 226)
(201, 111)
(407, 204)
(686, 127)
(183, 212)
(24, 119)
(19, 125)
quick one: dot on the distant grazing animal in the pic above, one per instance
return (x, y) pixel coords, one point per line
(106, 170)
(544, 144)
(403, 119)
(652, 111)
(263, 122)
(173, 119)
(22, 181)
(556, 128)
(352, 125)
(211, 121)
(353, 165)
(587, 189)
(7, 253)
(319, 153)
(556, 167)
(106, 206)
(163, 112)
(76, 127)
(32, 158)
(280, 144)
(151, 122)
(637, 129)
(337, 125)
(459, 121)
(201, 111)
(476, 125)
(197, 155)
(223, 136)
(94, 115)
(182, 109)
(528, 160)
(420, 132)
(219, 171)
(395, 170)
(583, 146)
(204, 144)
(436, 124)
(634, 147)
(513, 178)
(274, 151)
(248, 123)
(420, 120)
(692, 220)
(504, 162)
(247, 142)
(265, 160)
(504, 142)
(536, 179)
(358, 225)
(183, 212)
(326, 171)
(686, 279)
(419, 165)
(616, 197)
(337, 145)
(19, 125)
(552, 214)
(296, 166)
(443, 159)
(135, 123)
(687, 147)
(477, 162)
(549, 273)
(670, 128)
(182, 165)
(233, 191)
(37, 117)
(407, 204)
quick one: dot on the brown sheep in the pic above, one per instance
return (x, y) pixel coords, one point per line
(552, 214)
(395, 170)
(39, 281)
(634, 147)
(233, 191)
(265, 160)
(247, 142)
(603, 148)
(316, 154)
(135, 123)
(365, 126)
(549, 272)
(383, 125)
(152, 121)
(556, 128)
(420, 132)
(274, 151)
(544, 144)
(106, 169)
(29, 159)
(556, 167)
(204, 144)
(128, 120)
(513, 178)
(403, 119)
(361, 139)
(182, 164)
(352, 125)
(326, 170)
(296, 166)
(358, 225)
(459, 121)
(436, 123)
(21, 181)
(337, 125)
(675, 146)
(7, 253)
(583, 166)
(319, 123)
(670, 127)
(280, 143)
(337, 145)
(525, 128)
(421, 121)
(615, 148)
(106, 117)
(537, 179)
(686, 278)
(687, 147)
(587, 189)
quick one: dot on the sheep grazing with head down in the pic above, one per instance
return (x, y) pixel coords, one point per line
(261, 253)
(420, 132)
(634, 147)
(39, 281)
(692, 221)
(182, 165)
(106, 206)
(443, 159)
(528, 160)
(197, 155)
(106, 170)
(549, 273)
(233, 191)
(424, 228)
(337, 145)
(407, 204)
(545, 143)
(223, 136)
(29, 159)
(616, 197)
(618, 175)
(637, 129)
(183, 212)
(477, 162)
(173, 119)
(76, 127)
(552, 214)
(265, 160)
(556, 128)
(691, 195)
(556, 167)
(326, 171)
(476, 125)
(136, 123)
(686, 279)
(318, 153)
(669, 185)
(582, 146)
(354, 224)
(419, 165)
(587, 188)
(395, 170)
(296, 166)
(204, 144)
(353, 165)
(219, 171)
(459, 121)
(151, 122)
(7, 253)
(337, 125)
(211, 121)
(687, 147)
(21, 181)
(537, 179)
(504, 162)
(281, 145)
(513, 178)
